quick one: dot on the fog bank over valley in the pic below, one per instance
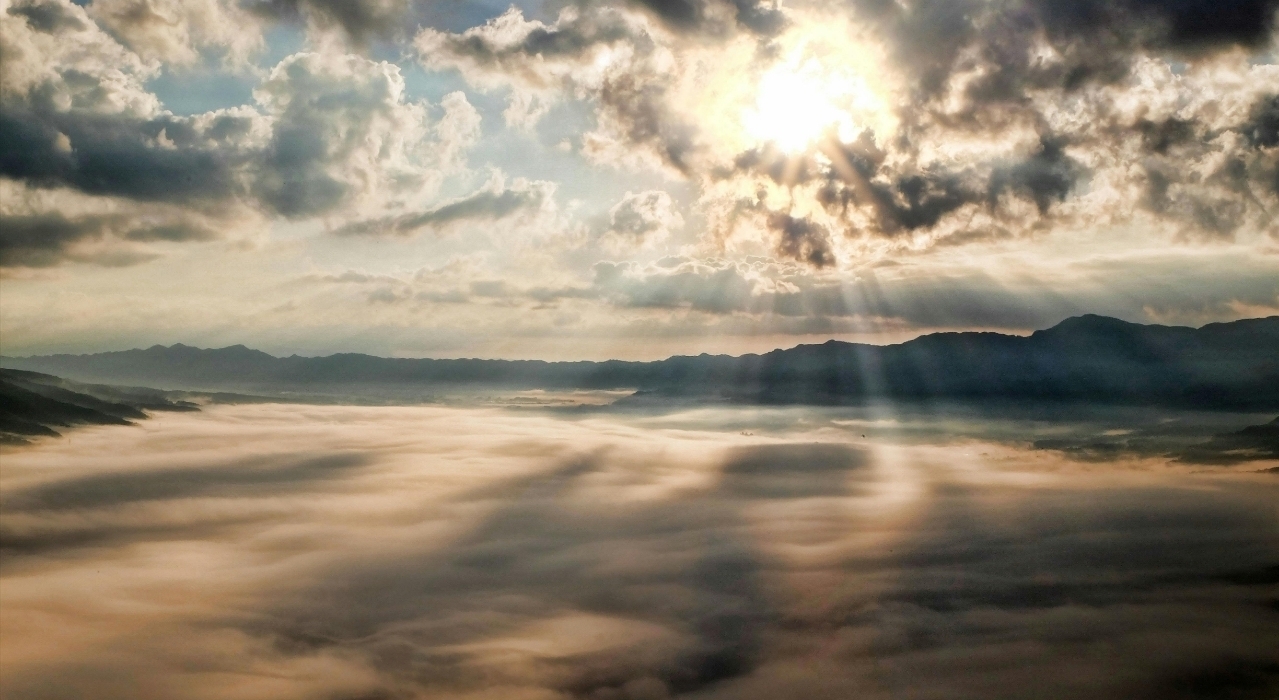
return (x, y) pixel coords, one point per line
(302, 551)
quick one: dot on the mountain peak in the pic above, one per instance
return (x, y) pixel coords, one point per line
(1091, 326)
(1086, 321)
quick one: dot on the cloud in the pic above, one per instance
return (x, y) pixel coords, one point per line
(236, 479)
(641, 217)
(765, 287)
(1046, 176)
(1189, 26)
(176, 32)
(503, 50)
(1087, 41)
(49, 227)
(940, 298)
(181, 32)
(464, 551)
(716, 17)
(49, 238)
(75, 114)
(973, 121)
(344, 134)
(1263, 127)
(331, 135)
(159, 159)
(1262, 131)
(757, 304)
(600, 53)
(495, 202)
(359, 20)
(47, 17)
(802, 239)
(714, 288)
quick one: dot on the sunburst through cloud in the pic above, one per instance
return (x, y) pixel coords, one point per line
(639, 349)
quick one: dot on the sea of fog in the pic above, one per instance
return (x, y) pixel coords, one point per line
(274, 551)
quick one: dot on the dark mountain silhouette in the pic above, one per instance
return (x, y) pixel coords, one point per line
(1086, 359)
(33, 404)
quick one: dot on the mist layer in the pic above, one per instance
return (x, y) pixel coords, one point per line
(276, 551)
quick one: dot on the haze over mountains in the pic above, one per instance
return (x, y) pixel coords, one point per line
(1090, 358)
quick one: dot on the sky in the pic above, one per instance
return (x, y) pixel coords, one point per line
(564, 179)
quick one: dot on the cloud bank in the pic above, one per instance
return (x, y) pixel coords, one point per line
(628, 169)
(970, 120)
(329, 134)
(453, 552)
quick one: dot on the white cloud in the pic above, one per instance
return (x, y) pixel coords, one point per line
(345, 136)
(177, 31)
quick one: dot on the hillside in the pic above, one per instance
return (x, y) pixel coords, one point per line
(33, 404)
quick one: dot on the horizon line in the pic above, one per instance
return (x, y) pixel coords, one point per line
(1005, 333)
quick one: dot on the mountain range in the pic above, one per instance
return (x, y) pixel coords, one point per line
(1089, 358)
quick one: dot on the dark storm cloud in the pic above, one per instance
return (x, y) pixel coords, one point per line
(1262, 131)
(47, 239)
(1096, 38)
(48, 17)
(1262, 128)
(682, 14)
(926, 36)
(644, 118)
(42, 240)
(1095, 41)
(802, 240)
(1044, 177)
(361, 20)
(760, 16)
(483, 206)
(294, 182)
(902, 200)
(329, 131)
(1188, 25)
(1158, 137)
(83, 126)
(703, 16)
(114, 155)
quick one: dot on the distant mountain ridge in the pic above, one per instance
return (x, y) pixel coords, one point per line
(1091, 358)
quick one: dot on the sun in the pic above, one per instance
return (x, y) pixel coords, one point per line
(800, 100)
